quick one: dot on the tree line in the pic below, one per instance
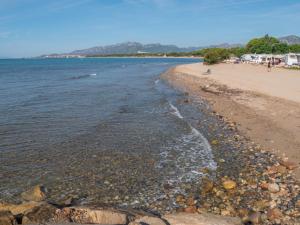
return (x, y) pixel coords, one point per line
(264, 45)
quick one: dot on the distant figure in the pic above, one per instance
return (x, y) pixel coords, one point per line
(269, 66)
(207, 72)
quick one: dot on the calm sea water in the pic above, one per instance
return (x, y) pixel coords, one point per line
(105, 130)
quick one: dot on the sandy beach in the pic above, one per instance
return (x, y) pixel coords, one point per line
(265, 105)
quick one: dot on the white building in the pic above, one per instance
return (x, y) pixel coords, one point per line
(292, 59)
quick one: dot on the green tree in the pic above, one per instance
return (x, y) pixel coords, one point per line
(216, 55)
(265, 44)
(280, 48)
(238, 51)
(294, 48)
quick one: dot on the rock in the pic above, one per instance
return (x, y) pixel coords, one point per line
(19, 208)
(277, 169)
(201, 219)
(36, 194)
(243, 213)
(191, 201)
(214, 142)
(255, 218)
(40, 214)
(7, 218)
(289, 165)
(180, 199)
(274, 214)
(229, 184)
(93, 216)
(206, 186)
(190, 209)
(264, 185)
(273, 188)
(260, 205)
(148, 220)
(298, 203)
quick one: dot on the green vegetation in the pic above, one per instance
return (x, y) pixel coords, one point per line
(263, 45)
(216, 55)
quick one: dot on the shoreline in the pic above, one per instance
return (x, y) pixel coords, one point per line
(249, 185)
(270, 119)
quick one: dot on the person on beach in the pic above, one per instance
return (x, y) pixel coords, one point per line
(269, 66)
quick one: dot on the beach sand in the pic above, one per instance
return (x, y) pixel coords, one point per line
(265, 105)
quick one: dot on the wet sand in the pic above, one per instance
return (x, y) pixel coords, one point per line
(264, 105)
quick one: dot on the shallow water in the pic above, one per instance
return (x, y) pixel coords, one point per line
(104, 130)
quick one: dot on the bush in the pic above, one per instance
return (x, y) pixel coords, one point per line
(216, 55)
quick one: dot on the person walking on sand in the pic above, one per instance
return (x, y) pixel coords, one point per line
(269, 66)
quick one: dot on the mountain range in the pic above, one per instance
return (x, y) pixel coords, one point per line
(136, 47)
(290, 40)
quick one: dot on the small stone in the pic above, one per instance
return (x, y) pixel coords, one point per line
(260, 205)
(214, 142)
(277, 169)
(36, 194)
(229, 184)
(264, 185)
(7, 218)
(274, 214)
(298, 204)
(273, 188)
(289, 165)
(180, 199)
(206, 186)
(255, 218)
(191, 201)
(190, 209)
(225, 212)
(243, 213)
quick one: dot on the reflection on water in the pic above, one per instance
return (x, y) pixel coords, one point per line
(103, 130)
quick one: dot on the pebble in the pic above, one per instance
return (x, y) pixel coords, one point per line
(273, 188)
(229, 184)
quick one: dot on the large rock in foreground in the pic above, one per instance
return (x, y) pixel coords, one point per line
(6, 218)
(201, 219)
(92, 216)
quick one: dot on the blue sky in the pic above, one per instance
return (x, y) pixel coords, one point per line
(34, 27)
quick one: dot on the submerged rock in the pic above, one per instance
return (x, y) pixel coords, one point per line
(229, 184)
(206, 186)
(36, 194)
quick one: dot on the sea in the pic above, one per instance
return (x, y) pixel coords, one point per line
(100, 130)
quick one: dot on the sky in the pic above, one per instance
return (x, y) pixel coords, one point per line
(34, 27)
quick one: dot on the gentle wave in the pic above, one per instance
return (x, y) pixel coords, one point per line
(175, 111)
(192, 151)
(83, 76)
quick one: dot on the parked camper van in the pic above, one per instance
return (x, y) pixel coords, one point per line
(292, 59)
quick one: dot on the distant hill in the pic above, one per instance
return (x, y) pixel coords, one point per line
(135, 48)
(131, 48)
(290, 40)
